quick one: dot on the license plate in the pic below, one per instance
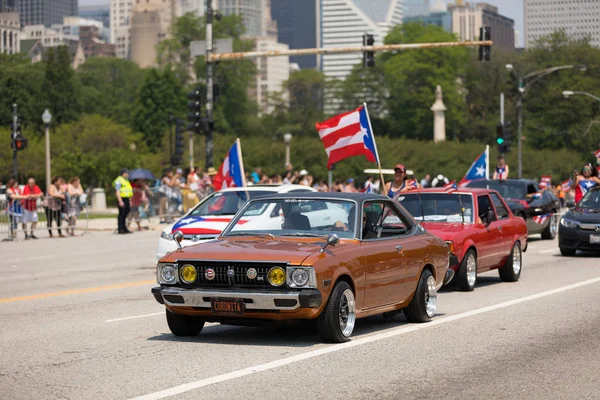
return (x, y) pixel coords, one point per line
(220, 306)
(594, 238)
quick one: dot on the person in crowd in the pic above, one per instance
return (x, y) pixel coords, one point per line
(399, 184)
(55, 198)
(265, 180)
(206, 182)
(439, 181)
(501, 171)
(290, 177)
(349, 187)
(426, 181)
(305, 178)
(256, 175)
(124, 193)
(276, 179)
(584, 181)
(74, 192)
(139, 202)
(164, 194)
(560, 194)
(323, 187)
(32, 193)
(15, 209)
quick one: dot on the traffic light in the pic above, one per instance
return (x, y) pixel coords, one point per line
(18, 142)
(179, 142)
(368, 56)
(195, 115)
(500, 139)
(485, 52)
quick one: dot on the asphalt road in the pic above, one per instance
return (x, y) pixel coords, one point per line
(77, 321)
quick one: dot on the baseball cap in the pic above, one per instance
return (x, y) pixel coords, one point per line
(303, 172)
(123, 170)
(400, 167)
(350, 180)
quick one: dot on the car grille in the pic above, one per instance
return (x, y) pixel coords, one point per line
(225, 279)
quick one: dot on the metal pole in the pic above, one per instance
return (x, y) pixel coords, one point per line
(287, 154)
(520, 130)
(191, 150)
(502, 108)
(14, 137)
(171, 139)
(48, 170)
(209, 83)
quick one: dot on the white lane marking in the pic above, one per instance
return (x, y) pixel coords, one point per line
(135, 317)
(358, 342)
(553, 250)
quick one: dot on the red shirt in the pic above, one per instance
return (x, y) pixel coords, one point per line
(30, 205)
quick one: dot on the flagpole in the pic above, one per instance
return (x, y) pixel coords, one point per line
(382, 185)
(239, 149)
(487, 162)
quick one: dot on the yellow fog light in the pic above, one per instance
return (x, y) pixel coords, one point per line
(276, 276)
(188, 273)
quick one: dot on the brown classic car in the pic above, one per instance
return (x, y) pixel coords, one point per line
(364, 255)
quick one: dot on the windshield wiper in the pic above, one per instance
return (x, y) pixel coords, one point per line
(301, 234)
(268, 235)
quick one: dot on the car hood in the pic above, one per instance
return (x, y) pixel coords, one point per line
(588, 215)
(445, 230)
(251, 248)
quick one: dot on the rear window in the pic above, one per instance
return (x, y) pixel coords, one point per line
(507, 189)
(439, 207)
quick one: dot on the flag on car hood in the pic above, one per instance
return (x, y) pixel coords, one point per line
(231, 173)
(347, 135)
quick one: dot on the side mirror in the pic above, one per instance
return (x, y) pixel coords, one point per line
(178, 238)
(332, 240)
(489, 218)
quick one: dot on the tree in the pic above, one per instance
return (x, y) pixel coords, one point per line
(110, 87)
(161, 96)
(59, 87)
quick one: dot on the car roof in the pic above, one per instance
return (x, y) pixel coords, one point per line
(510, 180)
(358, 197)
(458, 191)
(269, 188)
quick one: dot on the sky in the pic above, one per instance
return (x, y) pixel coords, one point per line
(510, 8)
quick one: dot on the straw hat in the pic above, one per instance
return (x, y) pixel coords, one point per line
(211, 171)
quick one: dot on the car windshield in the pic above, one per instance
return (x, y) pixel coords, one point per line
(227, 203)
(296, 217)
(507, 189)
(439, 207)
(591, 200)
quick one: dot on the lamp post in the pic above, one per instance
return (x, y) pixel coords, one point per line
(525, 82)
(46, 119)
(287, 139)
(569, 93)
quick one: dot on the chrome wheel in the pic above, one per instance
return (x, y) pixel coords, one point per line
(430, 297)
(347, 313)
(471, 270)
(516, 260)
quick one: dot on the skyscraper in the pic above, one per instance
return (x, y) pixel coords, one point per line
(120, 19)
(43, 12)
(297, 27)
(194, 6)
(343, 23)
(468, 18)
(576, 17)
(150, 23)
(255, 13)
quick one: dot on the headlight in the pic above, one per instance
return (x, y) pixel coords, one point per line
(166, 273)
(166, 235)
(568, 223)
(188, 273)
(276, 276)
(301, 277)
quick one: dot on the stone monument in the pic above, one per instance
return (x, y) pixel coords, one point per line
(439, 119)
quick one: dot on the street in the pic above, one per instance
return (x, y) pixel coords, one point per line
(79, 322)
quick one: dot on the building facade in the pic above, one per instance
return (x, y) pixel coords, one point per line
(150, 24)
(441, 19)
(197, 7)
(8, 6)
(97, 13)
(256, 15)
(577, 18)
(343, 23)
(297, 27)
(10, 33)
(272, 72)
(467, 18)
(73, 26)
(43, 12)
(120, 26)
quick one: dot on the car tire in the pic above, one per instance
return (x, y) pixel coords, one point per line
(550, 232)
(337, 320)
(467, 272)
(567, 252)
(423, 305)
(511, 271)
(184, 325)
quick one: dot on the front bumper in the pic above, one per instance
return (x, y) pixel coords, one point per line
(576, 238)
(255, 300)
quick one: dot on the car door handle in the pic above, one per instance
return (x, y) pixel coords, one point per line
(399, 249)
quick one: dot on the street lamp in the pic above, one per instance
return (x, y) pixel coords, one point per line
(569, 93)
(525, 82)
(287, 139)
(46, 119)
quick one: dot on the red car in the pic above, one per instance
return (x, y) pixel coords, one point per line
(479, 228)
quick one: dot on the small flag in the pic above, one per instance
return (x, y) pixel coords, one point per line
(231, 173)
(450, 187)
(597, 154)
(478, 170)
(566, 185)
(410, 184)
(540, 219)
(545, 181)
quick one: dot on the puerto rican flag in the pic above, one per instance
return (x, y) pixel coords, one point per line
(479, 169)
(231, 173)
(545, 181)
(597, 154)
(540, 219)
(206, 225)
(450, 187)
(348, 135)
(410, 184)
(566, 185)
